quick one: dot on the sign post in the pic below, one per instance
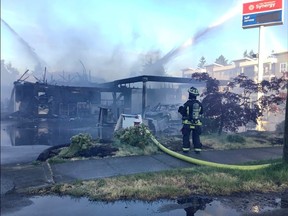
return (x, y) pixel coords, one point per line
(260, 14)
(260, 70)
(260, 53)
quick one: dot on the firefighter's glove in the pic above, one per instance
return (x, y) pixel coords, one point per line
(181, 110)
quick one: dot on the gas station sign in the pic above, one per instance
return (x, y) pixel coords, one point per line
(262, 13)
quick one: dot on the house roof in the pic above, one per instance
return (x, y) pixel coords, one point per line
(243, 59)
(214, 64)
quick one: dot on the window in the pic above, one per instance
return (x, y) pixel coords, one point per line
(273, 69)
(283, 67)
(249, 71)
(266, 70)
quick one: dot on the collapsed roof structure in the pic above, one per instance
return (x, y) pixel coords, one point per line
(44, 100)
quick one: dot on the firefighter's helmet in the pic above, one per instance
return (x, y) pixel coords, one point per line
(193, 91)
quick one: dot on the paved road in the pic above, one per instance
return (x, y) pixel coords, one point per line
(20, 154)
(23, 173)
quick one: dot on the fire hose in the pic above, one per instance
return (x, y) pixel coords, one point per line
(202, 162)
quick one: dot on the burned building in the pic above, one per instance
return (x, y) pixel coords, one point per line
(131, 95)
(52, 114)
(44, 100)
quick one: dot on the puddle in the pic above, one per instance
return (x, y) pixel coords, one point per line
(49, 132)
(54, 132)
(67, 206)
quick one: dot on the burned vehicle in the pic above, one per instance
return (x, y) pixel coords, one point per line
(163, 116)
(164, 111)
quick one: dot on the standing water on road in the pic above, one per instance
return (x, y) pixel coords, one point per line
(66, 206)
(49, 132)
(198, 205)
(23, 141)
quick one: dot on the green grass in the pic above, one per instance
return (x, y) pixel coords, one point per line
(227, 140)
(182, 182)
(178, 183)
(238, 141)
(127, 145)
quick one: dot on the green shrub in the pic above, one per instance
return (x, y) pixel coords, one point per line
(209, 125)
(134, 136)
(235, 138)
(83, 140)
(79, 143)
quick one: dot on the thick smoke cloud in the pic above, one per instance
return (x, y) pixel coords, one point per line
(77, 42)
(111, 37)
(64, 40)
(102, 34)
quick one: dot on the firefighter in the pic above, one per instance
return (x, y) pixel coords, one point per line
(191, 112)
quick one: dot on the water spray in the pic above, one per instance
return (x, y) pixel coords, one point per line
(201, 33)
(30, 50)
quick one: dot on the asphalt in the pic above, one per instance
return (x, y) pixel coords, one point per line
(19, 172)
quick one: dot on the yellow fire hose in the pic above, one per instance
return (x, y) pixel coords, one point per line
(205, 163)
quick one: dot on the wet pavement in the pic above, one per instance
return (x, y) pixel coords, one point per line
(18, 168)
(20, 154)
(29, 174)
(22, 172)
(19, 171)
(82, 206)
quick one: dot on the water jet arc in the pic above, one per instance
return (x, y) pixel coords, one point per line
(28, 48)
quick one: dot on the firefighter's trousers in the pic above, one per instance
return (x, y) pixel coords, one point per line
(196, 131)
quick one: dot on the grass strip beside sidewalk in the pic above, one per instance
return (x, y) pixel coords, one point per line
(177, 183)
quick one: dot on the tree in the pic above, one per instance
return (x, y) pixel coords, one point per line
(229, 110)
(221, 60)
(202, 62)
(272, 93)
(225, 109)
(251, 54)
(245, 54)
(152, 65)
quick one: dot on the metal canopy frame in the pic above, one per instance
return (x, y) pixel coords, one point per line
(149, 78)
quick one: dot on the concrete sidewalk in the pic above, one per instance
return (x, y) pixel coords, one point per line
(21, 176)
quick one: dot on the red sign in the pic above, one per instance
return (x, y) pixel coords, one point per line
(262, 6)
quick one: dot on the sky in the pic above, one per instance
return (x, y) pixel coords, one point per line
(109, 37)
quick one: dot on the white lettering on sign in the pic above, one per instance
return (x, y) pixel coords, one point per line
(270, 4)
(248, 19)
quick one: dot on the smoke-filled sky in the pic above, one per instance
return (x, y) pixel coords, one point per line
(109, 36)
